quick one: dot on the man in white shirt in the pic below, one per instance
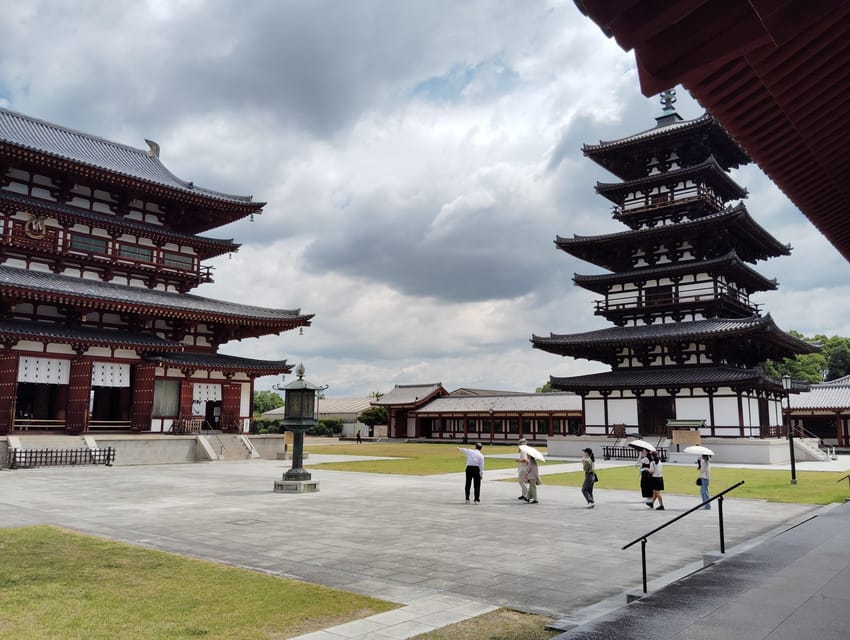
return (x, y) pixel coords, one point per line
(474, 469)
(522, 463)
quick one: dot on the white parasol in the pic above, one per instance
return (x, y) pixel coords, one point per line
(531, 451)
(642, 444)
(699, 449)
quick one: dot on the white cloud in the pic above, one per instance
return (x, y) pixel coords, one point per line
(418, 160)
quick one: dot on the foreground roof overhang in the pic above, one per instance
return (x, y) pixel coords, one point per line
(776, 75)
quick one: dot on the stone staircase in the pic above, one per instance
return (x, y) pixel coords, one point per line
(809, 449)
(229, 446)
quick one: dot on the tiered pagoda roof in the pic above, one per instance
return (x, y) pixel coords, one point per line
(701, 137)
(709, 172)
(730, 265)
(711, 235)
(755, 334)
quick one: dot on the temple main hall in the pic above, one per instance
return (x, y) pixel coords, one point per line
(99, 332)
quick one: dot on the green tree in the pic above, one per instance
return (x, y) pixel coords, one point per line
(266, 401)
(833, 361)
(372, 416)
(546, 388)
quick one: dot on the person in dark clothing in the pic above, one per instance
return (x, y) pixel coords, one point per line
(645, 478)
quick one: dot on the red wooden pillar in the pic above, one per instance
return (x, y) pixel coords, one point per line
(8, 390)
(142, 404)
(185, 398)
(79, 392)
(231, 399)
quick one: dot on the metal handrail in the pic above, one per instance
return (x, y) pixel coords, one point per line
(718, 497)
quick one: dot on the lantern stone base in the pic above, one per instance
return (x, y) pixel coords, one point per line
(296, 486)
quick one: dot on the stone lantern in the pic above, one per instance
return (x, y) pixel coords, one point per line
(299, 415)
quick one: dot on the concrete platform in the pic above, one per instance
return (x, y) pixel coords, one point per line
(407, 539)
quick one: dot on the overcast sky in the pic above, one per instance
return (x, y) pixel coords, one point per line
(418, 158)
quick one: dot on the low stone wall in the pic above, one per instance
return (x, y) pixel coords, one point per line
(732, 450)
(135, 449)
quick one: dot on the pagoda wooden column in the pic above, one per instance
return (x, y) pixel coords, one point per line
(231, 399)
(8, 390)
(142, 405)
(79, 392)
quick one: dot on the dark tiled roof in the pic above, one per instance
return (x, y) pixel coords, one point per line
(39, 331)
(48, 286)
(608, 152)
(672, 332)
(729, 264)
(746, 237)
(220, 362)
(726, 187)
(44, 137)
(122, 225)
(411, 394)
(666, 377)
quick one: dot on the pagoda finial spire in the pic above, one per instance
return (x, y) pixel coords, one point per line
(668, 98)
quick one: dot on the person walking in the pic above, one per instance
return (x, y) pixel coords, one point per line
(474, 470)
(359, 439)
(588, 463)
(532, 477)
(645, 478)
(704, 466)
(522, 464)
(656, 469)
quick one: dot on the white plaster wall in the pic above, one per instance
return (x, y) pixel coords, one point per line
(692, 409)
(726, 410)
(622, 411)
(594, 411)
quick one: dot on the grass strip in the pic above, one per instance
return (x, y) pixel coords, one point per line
(59, 584)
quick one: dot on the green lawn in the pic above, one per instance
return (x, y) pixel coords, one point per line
(58, 584)
(416, 459)
(813, 487)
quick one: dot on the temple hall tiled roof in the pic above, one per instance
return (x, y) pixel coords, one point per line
(43, 331)
(410, 394)
(510, 403)
(823, 397)
(39, 285)
(659, 378)
(220, 362)
(46, 138)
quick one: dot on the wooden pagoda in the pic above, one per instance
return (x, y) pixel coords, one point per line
(100, 247)
(687, 340)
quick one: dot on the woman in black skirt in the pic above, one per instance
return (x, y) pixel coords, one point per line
(645, 478)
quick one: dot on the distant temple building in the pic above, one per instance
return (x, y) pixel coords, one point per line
(100, 247)
(430, 412)
(687, 340)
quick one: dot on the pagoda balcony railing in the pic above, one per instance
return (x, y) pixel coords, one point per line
(641, 302)
(54, 245)
(668, 199)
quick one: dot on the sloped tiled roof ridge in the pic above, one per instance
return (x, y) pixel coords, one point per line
(44, 137)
